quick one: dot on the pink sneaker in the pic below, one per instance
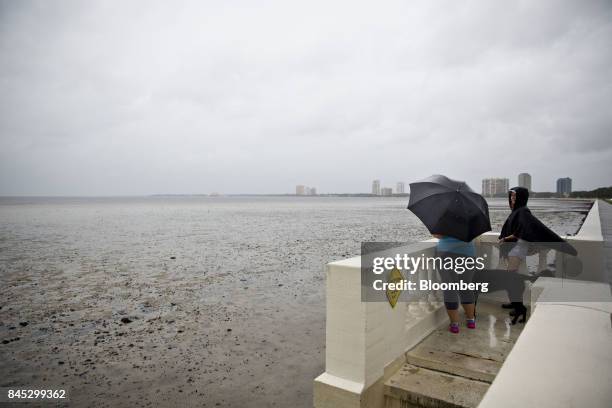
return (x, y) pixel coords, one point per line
(454, 328)
(471, 323)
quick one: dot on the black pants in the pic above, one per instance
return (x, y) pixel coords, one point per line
(449, 275)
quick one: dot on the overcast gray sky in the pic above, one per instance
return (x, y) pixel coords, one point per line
(114, 97)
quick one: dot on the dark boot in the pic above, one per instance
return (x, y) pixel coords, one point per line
(520, 312)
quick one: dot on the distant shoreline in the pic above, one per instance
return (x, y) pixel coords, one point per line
(366, 195)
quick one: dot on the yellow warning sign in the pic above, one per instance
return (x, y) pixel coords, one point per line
(395, 276)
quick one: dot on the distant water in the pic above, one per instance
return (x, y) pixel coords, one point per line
(231, 233)
(223, 285)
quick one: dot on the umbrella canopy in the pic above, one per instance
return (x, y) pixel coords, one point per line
(449, 207)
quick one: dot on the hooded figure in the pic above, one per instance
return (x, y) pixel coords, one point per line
(523, 225)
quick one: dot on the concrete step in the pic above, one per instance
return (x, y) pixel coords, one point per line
(454, 370)
(414, 386)
(453, 362)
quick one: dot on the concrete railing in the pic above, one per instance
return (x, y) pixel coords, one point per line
(563, 356)
(565, 346)
(366, 341)
(589, 243)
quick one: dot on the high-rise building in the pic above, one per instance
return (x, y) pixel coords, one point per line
(386, 191)
(376, 187)
(564, 186)
(312, 191)
(495, 187)
(524, 180)
(400, 187)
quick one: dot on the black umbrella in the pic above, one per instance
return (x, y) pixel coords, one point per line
(449, 207)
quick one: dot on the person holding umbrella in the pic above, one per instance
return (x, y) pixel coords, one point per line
(453, 248)
(455, 214)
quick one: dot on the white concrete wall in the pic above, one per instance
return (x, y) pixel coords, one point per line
(345, 324)
(590, 246)
(591, 227)
(563, 357)
(364, 338)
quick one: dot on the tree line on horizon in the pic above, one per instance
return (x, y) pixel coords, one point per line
(601, 192)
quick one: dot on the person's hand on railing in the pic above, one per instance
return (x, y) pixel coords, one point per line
(508, 238)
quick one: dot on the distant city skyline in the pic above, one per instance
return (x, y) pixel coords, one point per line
(379, 190)
(489, 186)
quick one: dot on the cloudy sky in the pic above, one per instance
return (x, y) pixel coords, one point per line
(114, 98)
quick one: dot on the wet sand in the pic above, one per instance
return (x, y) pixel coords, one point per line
(180, 303)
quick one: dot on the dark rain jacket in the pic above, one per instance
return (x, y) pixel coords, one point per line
(524, 225)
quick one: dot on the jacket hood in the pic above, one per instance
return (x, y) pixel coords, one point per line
(522, 196)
